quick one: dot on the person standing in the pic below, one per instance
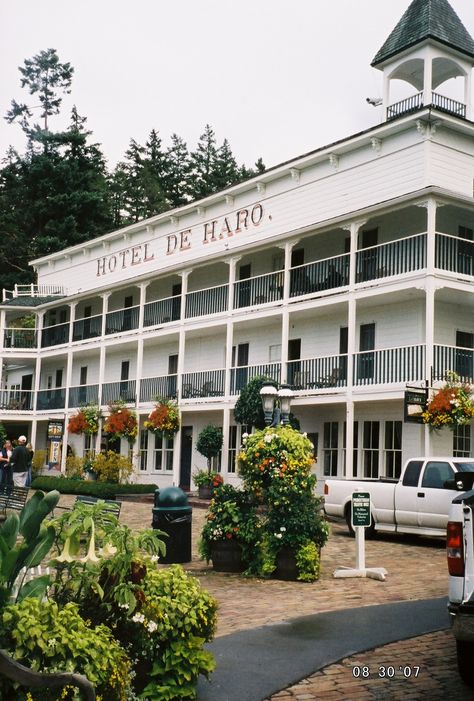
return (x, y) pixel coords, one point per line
(5, 469)
(29, 478)
(19, 462)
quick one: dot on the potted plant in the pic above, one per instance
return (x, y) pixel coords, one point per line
(164, 419)
(451, 405)
(121, 422)
(85, 420)
(206, 482)
(209, 444)
(230, 531)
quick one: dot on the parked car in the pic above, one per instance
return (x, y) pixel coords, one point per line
(418, 502)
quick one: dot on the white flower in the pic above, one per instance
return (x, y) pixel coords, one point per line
(282, 528)
(152, 626)
(245, 435)
(52, 642)
(268, 438)
(154, 558)
(278, 535)
(123, 606)
(138, 618)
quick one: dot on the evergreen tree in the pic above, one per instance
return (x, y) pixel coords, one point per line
(154, 175)
(203, 163)
(178, 172)
(226, 169)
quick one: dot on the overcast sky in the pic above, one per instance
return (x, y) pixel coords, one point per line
(277, 78)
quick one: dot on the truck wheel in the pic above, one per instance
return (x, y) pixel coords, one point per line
(465, 653)
(369, 532)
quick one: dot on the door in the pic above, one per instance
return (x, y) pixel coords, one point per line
(124, 371)
(241, 365)
(26, 394)
(294, 368)
(176, 302)
(367, 268)
(172, 379)
(366, 360)
(82, 394)
(86, 330)
(299, 284)
(434, 499)
(244, 287)
(465, 251)
(186, 455)
(127, 314)
(406, 495)
(343, 347)
(465, 357)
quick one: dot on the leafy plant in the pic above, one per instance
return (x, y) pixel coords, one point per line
(164, 419)
(86, 420)
(121, 422)
(49, 638)
(451, 406)
(209, 443)
(38, 461)
(111, 467)
(248, 409)
(97, 489)
(203, 478)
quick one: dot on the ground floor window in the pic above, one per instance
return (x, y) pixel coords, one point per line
(330, 448)
(232, 449)
(462, 441)
(393, 449)
(88, 445)
(163, 454)
(143, 450)
(371, 448)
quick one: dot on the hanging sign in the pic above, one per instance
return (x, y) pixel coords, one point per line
(415, 405)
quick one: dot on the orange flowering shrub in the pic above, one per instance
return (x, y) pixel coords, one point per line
(85, 421)
(451, 406)
(122, 422)
(164, 419)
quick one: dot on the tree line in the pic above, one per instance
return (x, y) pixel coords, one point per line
(60, 193)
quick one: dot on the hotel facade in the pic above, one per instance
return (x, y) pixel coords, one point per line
(346, 273)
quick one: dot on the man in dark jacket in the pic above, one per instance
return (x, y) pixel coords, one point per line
(19, 462)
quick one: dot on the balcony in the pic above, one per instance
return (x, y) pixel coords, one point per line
(82, 395)
(452, 359)
(210, 383)
(328, 274)
(165, 387)
(48, 399)
(90, 327)
(122, 320)
(240, 376)
(16, 400)
(20, 338)
(327, 372)
(258, 290)
(55, 335)
(124, 390)
(389, 366)
(394, 258)
(162, 311)
(454, 254)
(415, 102)
(209, 301)
(446, 104)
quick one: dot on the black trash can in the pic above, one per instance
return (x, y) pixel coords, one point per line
(173, 515)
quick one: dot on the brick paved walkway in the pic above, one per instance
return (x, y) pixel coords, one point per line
(416, 570)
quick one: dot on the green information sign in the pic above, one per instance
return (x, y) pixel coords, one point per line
(361, 515)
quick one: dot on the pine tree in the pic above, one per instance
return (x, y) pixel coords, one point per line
(178, 172)
(226, 169)
(203, 164)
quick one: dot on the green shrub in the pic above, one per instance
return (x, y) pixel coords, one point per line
(96, 489)
(38, 462)
(49, 639)
(111, 467)
(74, 467)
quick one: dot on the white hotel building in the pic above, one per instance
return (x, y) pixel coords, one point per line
(347, 273)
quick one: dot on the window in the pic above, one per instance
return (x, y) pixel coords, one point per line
(232, 449)
(163, 454)
(462, 442)
(412, 473)
(393, 449)
(331, 437)
(83, 375)
(436, 474)
(274, 353)
(88, 445)
(371, 448)
(59, 378)
(143, 450)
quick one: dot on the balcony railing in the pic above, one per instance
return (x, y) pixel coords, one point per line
(90, 327)
(391, 365)
(209, 301)
(321, 275)
(446, 104)
(455, 254)
(55, 335)
(152, 388)
(410, 104)
(162, 311)
(394, 258)
(16, 400)
(122, 320)
(124, 390)
(318, 373)
(48, 399)
(83, 394)
(453, 359)
(258, 290)
(240, 376)
(210, 383)
(20, 338)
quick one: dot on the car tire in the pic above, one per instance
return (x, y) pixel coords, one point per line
(465, 655)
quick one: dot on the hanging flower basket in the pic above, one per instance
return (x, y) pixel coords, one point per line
(451, 406)
(122, 422)
(86, 420)
(164, 419)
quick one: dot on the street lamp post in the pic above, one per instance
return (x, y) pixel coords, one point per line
(276, 404)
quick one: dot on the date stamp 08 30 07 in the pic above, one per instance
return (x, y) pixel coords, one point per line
(386, 671)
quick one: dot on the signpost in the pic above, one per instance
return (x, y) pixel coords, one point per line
(361, 518)
(415, 404)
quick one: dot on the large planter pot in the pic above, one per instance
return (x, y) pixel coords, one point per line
(286, 564)
(205, 491)
(226, 556)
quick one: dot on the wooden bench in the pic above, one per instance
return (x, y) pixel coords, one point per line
(12, 497)
(111, 507)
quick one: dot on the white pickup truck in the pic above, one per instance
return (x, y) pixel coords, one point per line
(460, 552)
(418, 502)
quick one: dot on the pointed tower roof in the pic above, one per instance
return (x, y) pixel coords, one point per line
(427, 19)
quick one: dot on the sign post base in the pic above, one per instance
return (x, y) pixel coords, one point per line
(369, 572)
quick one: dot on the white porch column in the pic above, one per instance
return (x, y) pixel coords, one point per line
(467, 94)
(228, 357)
(105, 308)
(351, 349)
(72, 318)
(232, 263)
(3, 317)
(354, 239)
(141, 313)
(184, 291)
(349, 439)
(38, 362)
(429, 347)
(431, 209)
(225, 440)
(288, 247)
(285, 337)
(427, 77)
